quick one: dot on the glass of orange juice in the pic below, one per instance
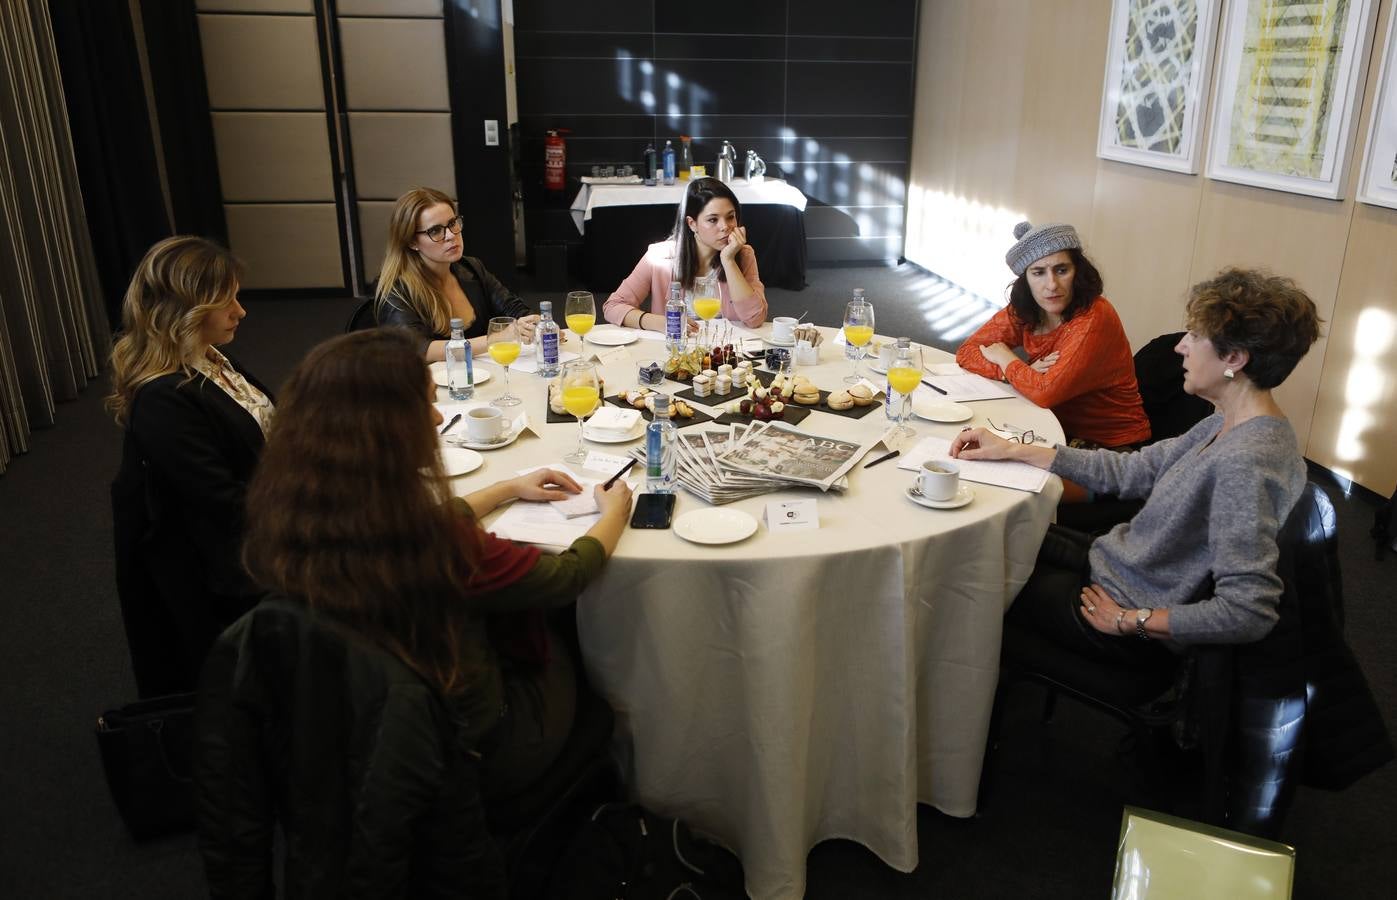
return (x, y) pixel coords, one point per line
(502, 341)
(581, 395)
(858, 330)
(707, 302)
(904, 375)
(580, 311)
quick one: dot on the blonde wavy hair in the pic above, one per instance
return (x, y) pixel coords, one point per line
(404, 267)
(178, 283)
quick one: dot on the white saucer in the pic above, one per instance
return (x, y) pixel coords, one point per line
(963, 496)
(873, 364)
(439, 374)
(775, 343)
(715, 526)
(611, 337)
(606, 436)
(939, 410)
(460, 461)
(461, 440)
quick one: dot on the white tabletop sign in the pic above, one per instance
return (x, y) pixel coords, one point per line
(792, 515)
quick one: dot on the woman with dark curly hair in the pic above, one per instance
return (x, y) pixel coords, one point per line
(1197, 564)
(1080, 362)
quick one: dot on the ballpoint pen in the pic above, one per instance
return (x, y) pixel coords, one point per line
(612, 480)
(884, 458)
(449, 425)
(934, 387)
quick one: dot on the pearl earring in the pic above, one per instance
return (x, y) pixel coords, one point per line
(1228, 373)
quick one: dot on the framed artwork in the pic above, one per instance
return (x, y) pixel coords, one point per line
(1378, 183)
(1157, 67)
(1288, 85)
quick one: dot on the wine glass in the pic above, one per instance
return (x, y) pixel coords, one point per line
(503, 343)
(580, 311)
(858, 330)
(707, 303)
(904, 375)
(581, 394)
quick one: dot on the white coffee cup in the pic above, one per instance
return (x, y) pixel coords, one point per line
(484, 424)
(939, 479)
(887, 352)
(783, 329)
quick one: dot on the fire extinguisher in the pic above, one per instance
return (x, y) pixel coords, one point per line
(555, 159)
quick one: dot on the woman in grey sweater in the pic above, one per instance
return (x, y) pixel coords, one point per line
(1197, 564)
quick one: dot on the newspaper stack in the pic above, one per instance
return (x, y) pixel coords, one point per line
(750, 460)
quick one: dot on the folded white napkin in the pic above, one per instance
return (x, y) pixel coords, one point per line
(614, 418)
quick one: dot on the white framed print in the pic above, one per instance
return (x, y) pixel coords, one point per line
(1290, 76)
(1378, 183)
(1157, 67)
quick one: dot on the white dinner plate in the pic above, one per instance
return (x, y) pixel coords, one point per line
(963, 496)
(607, 436)
(439, 374)
(939, 410)
(611, 337)
(460, 461)
(715, 526)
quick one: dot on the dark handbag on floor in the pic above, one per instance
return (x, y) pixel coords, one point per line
(626, 851)
(147, 754)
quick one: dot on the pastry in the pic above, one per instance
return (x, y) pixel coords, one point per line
(839, 400)
(861, 395)
(807, 397)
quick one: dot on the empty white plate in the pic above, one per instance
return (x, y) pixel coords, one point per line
(939, 410)
(460, 461)
(439, 374)
(611, 337)
(963, 496)
(715, 526)
(607, 436)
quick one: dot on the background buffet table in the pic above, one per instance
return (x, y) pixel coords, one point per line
(808, 685)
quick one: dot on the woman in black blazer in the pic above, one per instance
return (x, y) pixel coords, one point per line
(195, 423)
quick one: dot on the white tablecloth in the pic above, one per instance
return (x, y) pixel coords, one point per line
(591, 196)
(809, 685)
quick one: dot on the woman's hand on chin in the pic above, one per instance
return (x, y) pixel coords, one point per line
(737, 239)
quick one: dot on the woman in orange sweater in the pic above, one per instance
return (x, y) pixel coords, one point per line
(1080, 365)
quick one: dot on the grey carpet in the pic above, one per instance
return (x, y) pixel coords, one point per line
(1047, 830)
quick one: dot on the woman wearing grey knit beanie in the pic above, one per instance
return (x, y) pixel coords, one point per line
(1079, 360)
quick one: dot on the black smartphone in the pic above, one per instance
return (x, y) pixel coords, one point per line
(653, 511)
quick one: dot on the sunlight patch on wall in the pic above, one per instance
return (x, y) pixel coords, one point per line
(960, 239)
(1368, 386)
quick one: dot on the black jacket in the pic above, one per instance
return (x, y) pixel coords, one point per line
(488, 295)
(301, 721)
(188, 454)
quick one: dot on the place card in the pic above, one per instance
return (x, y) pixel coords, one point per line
(792, 515)
(606, 463)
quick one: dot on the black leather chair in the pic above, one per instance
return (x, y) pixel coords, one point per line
(363, 317)
(1159, 373)
(1291, 708)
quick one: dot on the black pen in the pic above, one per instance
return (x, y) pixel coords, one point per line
(934, 388)
(884, 458)
(454, 419)
(612, 480)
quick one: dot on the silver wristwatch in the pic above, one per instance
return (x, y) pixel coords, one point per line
(1141, 618)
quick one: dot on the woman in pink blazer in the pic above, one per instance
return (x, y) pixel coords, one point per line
(708, 236)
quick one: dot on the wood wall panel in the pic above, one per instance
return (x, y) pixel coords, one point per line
(1007, 102)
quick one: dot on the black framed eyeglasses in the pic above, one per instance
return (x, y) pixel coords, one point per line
(1015, 433)
(437, 233)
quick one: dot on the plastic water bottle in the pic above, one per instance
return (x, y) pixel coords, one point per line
(851, 352)
(651, 158)
(546, 336)
(660, 461)
(668, 157)
(460, 368)
(674, 316)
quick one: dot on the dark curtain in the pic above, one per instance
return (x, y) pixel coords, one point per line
(182, 108)
(112, 139)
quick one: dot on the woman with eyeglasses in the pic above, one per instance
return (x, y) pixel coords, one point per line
(426, 280)
(1197, 564)
(1080, 364)
(708, 238)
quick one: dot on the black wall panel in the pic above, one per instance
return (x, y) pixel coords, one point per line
(821, 89)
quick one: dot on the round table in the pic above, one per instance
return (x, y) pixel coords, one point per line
(805, 685)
